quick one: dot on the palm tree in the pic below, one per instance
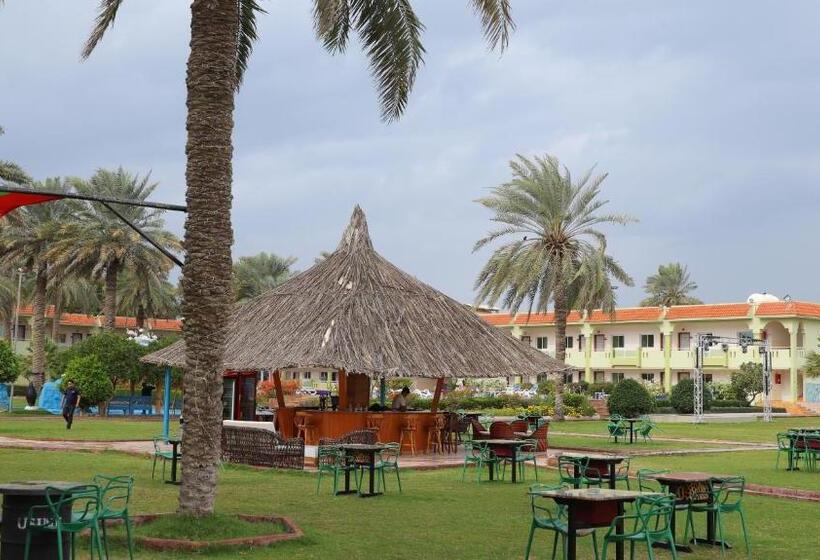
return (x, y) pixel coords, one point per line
(556, 255)
(259, 273)
(100, 244)
(670, 286)
(8, 301)
(71, 293)
(223, 33)
(29, 234)
(144, 293)
(10, 171)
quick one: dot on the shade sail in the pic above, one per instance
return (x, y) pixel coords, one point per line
(357, 311)
(12, 200)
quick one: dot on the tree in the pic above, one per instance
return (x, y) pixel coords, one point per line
(101, 244)
(147, 292)
(812, 368)
(747, 382)
(223, 33)
(71, 293)
(670, 286)
(682, 397)
(259, 273)
(556, 254)
(91, 379)
(10, 171)
(118, 356)
(29, 234)
(9, 364)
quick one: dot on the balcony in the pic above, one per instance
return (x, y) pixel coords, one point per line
(575, 358)
(682, 359)
(600, 359)
(629, 358)
(716, 358)
(651, 358)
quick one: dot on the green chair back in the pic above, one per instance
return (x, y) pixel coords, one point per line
(115, 493)
(548, 515)
(390, 454)
(729, 492)
(656, 513)
(83, 501)
(648, 484)
(566, 469)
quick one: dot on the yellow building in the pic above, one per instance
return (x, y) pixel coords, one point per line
(657, 344)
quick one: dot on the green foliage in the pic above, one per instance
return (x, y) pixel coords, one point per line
(682, 398)
(546, 387)
(729, 403)
(812, 368)
(670, 286)
(399, 383)
(600, 388)
(118, 356)
(91, 378)
(747, 382)
(9, 363)
(260, 273)
(630, 398)
(722, 391)
(155, 374)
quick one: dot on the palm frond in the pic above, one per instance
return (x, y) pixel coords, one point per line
(246, 35)
(331, 20)
(10, 171)
(496, 19)
(106, 14)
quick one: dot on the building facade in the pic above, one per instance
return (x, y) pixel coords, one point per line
(657, 344)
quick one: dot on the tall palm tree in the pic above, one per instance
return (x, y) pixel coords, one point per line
(8, 301)
(29, 233)
(10, 171)
(260, 273)
(223, 33)
(556, 253)
(144, 293)
(671, 285)
(100, 244)
(72, 293)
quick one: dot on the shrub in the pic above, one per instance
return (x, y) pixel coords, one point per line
(546, 387)
(722, 391)
(683, 399)
(747, 383)
(580, 387)
(629, 398)
(399, 383)
(729, 403)
(93, 383)
(266, 390)
(9, 364)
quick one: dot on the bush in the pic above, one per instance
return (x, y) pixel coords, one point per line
(580, 387)
(747, 383)
(722, 391)
(683, 399)
(629, 398)
(546, 387)
(93, 383)
(9, 364)
(728, 403)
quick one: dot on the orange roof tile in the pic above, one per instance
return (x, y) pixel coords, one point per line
(717, 311)
(798, 308)
(121, 322)
(627, 314)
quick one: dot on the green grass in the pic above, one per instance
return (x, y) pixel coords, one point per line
(84, 428)
(756, 431)
(437, 516)
(214, 528)
(558, 441)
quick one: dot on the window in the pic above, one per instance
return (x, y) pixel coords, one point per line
(323, 376)
(707, 377)
(581, 342)
(662, 340)
(334, 376)
(683, 375)
(569, 342)
(647, 341)
(648, 377)
(306, 375)
(684, 340)
(618, 341)
(76, 337)
(61, 338)
(21, 332)
(599, 342)
(542, 342)
(599, 376)
(617, 377)
(568, 377)
(525, 339)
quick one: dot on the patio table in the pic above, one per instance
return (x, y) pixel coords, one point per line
(351, 450)
(510, 447)
(601, 463)
(631, 422)
(18, 498)
(175, 443)
(691, 487)
(794, 435)
(589, 508)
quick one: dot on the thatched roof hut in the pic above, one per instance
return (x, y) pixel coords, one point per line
(358, 312)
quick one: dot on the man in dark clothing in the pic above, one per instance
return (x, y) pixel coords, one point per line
(71, 399)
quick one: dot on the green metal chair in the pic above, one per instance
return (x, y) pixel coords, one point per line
(566, 472)
(725, 497)
(84, 504)
(646, 482)
(161, 452)
(115, 496)
(479, 454)
(388, 459)
(645, 428)
(616, 428)
(553, 519)
(810, 444)
(785, 444)
(652, 523)
(622, 473)
(526, 452)
(331, 461)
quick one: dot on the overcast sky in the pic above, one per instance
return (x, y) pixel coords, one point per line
(704, 114)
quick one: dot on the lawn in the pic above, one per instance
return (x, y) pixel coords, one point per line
(84, 428)
(757, 431)
(437, 516)
(559, 441)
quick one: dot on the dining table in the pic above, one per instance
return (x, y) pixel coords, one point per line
(600, 463)
(174, 442)
(591, 508)
(362, 455)
(692, 487)
(505, 448)
(795, 435)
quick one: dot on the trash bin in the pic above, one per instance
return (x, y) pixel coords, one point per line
(18, 498)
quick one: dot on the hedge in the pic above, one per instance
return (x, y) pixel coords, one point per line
(631, 399)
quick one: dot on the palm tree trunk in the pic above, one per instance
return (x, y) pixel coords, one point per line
(55, 319)
(7, 329)
(38, 335)
(561, 313)
(206, 277)
(110, 300)
(140, 316)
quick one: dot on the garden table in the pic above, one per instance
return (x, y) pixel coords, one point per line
(691, 487)
(599, 462)
(794, 435)
(631, 422)
(590, 508)
(175, 443)
(18, 498)
(351, 451)
(510, 449)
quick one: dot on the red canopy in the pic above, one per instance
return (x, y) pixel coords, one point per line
(11, 200)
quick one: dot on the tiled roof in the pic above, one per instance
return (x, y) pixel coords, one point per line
(82, 320)
(627, 314)
(718, 311)
(798, 308)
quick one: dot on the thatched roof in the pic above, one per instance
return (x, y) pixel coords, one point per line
(357, 311)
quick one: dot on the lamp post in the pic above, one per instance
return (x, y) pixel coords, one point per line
(20, 272)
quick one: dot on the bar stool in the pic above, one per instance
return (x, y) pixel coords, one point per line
(299, 423)
(434, 434)
(374, 422)
(309, 430)
(408, 434)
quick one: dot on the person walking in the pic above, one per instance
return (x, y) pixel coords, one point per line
(71, 399)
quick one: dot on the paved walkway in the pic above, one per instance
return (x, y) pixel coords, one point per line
(134, 447)
(754, 444)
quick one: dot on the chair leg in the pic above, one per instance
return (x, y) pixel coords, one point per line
(595, 544)
(318, 482)
(745, 534)
(720, 534)
(130, 540)
(398, 479)
(631, 550)
(555, 545)
(603, 550)
(529, 541)
(60, 543)
(104, 539)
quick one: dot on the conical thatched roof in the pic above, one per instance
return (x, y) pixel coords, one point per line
(357, 311)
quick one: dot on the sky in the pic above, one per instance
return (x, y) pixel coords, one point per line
(704, 115)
